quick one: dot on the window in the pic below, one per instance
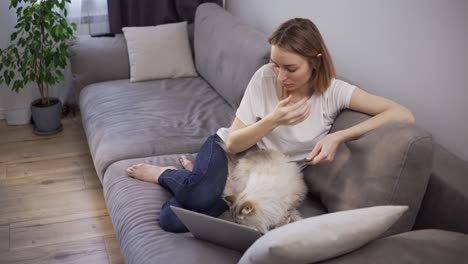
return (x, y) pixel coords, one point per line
(91, 16)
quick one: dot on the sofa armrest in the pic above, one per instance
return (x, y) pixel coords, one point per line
(445, 203)
(390, 165)
(98, 59)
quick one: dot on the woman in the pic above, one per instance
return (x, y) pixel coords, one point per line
(289, 105)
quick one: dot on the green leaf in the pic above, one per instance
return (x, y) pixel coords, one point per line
(58, 31)
(13, 3)
(18, 11)
(7, 61)
(17, 85)
(22, 42)
(13, 36)
(7, 77)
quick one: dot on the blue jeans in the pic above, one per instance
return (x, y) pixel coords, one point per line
(198, 190)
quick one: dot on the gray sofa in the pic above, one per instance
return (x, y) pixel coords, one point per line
(156, 121)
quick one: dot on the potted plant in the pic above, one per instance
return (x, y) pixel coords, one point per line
(38, 54)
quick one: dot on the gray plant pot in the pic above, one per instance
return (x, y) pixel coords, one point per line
(47, 118)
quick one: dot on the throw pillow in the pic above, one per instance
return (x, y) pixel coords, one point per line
(322, 237)
(159, 52)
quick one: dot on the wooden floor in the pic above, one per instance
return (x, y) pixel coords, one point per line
(52, 207)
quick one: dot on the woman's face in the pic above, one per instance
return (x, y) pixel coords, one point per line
(293, 71)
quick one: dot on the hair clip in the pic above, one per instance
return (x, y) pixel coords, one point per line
(319, 55)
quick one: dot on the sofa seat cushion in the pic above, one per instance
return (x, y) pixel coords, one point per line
(429, 246)
(134, 208)
(124, 120)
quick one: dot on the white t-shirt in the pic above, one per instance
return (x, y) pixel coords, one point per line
(297, 141)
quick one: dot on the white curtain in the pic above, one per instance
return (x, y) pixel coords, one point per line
(91, 16)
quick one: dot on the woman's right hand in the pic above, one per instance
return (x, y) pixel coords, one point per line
(287, 113)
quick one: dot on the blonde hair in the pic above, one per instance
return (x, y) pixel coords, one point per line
(302, 37)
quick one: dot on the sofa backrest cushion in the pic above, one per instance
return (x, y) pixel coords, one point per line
(227, 51)
(390, 165)
(98, 59)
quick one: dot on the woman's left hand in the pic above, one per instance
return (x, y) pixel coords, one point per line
(325, 149)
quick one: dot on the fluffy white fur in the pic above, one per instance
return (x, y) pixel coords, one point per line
(263, 190)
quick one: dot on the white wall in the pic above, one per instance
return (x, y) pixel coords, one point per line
(413, 52)
(11, 101)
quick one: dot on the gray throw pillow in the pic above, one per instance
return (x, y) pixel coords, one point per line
(322, 237)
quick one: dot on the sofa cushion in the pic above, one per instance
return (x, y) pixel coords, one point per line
(318, 238)
(159, 52)
(97, 60)
(430, 246)
(388, 166)
(125, 120)
(134, 208)
(446, 195)
(227, 51)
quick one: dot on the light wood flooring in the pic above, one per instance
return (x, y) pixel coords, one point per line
(52, 207)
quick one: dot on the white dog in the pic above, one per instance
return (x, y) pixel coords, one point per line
(264, 189)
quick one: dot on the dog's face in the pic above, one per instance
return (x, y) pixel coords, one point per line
(245, 212)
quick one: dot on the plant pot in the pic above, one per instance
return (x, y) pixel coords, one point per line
(47, 118)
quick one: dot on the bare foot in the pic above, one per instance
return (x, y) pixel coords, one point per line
(147, 172)
(186, 163)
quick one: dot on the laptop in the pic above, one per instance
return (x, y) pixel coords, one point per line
(218, 231)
